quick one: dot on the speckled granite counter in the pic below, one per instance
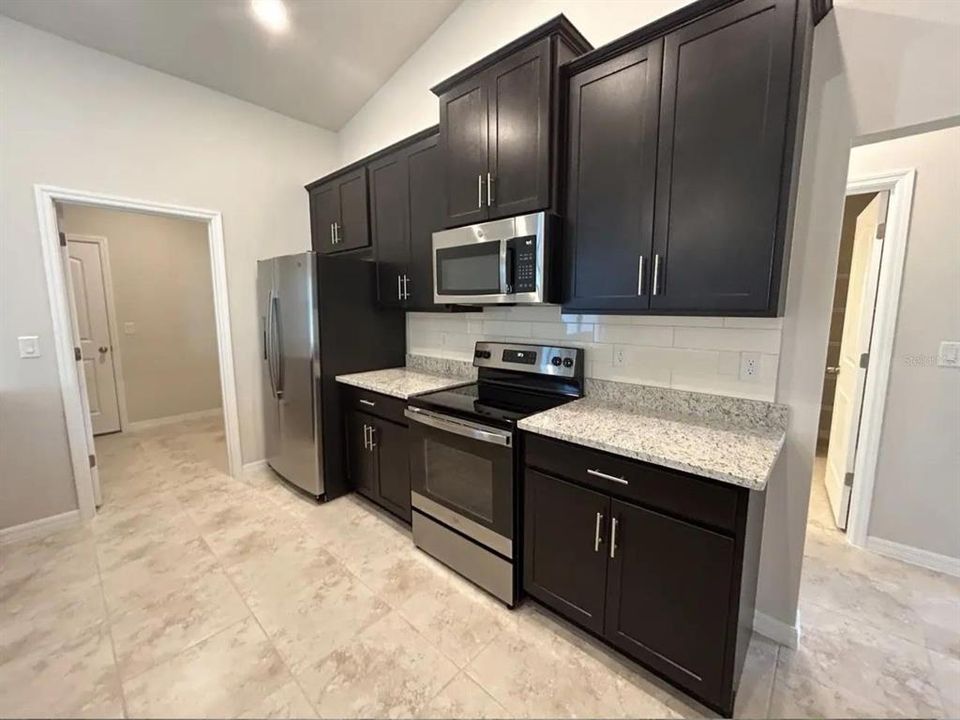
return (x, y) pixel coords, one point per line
(728, 439)
(401, 382)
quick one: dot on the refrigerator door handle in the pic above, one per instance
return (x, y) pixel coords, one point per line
(268, 342)
(278, 346)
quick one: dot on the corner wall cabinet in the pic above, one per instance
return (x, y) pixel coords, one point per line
(682, 145)
(499, 127)
(338, 212)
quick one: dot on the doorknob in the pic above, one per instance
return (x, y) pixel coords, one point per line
(103, 349)
(833, 370)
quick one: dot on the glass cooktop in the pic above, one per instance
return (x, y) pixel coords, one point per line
(486, 402)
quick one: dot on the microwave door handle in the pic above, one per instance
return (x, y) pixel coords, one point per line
(504, 279)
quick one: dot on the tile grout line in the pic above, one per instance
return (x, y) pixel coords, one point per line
(109, 621)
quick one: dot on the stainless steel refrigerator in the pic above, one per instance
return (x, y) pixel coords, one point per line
(318, 319)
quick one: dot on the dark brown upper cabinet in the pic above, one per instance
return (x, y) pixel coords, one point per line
(406, 208)
(682, 143)
(338, 212)
(498, 127)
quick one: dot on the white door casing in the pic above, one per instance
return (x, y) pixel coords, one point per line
(855, 341)
(93, 326)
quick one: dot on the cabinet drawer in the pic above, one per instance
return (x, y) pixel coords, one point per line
(372, 403)
(687, 496)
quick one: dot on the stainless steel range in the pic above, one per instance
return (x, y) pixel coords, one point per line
(465, 458)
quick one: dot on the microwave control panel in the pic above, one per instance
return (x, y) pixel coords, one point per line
(525, 263)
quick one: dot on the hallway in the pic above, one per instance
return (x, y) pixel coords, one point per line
(194, 595)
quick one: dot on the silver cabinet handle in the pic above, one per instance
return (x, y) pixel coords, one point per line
(640, 277)
(656, 274)
(368, 403)
(366, 443)
(479, 191)
(406, 287)
(489, 189)
(399, 288)
(613, 537)
(596, 533)
(332, 239)
(372, 431)
(614, 478)
(336, 232)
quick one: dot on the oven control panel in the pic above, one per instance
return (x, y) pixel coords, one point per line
(538, 359)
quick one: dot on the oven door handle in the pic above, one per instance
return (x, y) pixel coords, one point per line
(465, 428)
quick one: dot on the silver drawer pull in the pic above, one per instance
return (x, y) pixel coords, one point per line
(369, 403)
(614, 478)
(613, 538)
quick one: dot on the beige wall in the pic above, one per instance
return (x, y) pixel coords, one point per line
(878, 66)
(161, 283)
(916, 499)
(80, 119)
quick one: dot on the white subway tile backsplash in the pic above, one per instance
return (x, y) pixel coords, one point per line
(767, 341)
(690, 353)
(635, 335)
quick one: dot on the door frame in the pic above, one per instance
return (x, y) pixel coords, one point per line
(104, 248)
(893, 255)
(46, 197)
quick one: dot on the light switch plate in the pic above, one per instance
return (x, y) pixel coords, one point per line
(29, 346)
(129, 328)
(949, 354)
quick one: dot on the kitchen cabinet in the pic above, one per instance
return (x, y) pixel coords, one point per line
(552, 548)
(498, 127)
(662, 565)
(682, 146)
(338, 212)
(377, 449)
(406, 205)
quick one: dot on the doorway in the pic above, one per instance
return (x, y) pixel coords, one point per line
(73, 369)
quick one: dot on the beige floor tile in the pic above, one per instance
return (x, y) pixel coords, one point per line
(463, 698)
(756, 682)
(174, 619)
(797, 695)
(535, 673)
(221, 677)
(456, 617)
(393, 567)
(308, 603)
(75, 677)
(172, 533)
(389, 670)
(867, 662)
(946, 675)
(39, 566)
(286, 702)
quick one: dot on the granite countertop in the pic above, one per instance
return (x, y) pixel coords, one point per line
(727, 446)
(402, 382)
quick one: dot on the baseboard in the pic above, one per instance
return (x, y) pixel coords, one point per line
(157, 422)
(915, 556)
(255, 465)
(776, 630)
(38, 528)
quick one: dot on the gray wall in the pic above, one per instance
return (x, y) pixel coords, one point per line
(80, 119)
(916, 499)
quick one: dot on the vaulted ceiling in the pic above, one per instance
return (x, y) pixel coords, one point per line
(322, 69)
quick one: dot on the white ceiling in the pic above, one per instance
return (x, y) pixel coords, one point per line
(334, 56)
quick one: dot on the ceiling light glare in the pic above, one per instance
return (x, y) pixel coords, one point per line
(272, 14)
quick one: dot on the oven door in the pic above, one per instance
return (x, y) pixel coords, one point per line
(461, 474)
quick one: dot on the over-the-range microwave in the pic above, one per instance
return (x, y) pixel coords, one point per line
(501, 262)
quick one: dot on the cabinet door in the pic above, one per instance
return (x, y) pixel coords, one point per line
(389, 225)
(425, 180)
(614, 109)
(668, 602)
(519, 130)
(463, 143)
(726, 82)
(565, 549)
(354, 232)
(362, 460)
(324, 212)
(390, 444)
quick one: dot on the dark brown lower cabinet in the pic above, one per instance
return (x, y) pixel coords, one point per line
(666, 580)
(377, 454)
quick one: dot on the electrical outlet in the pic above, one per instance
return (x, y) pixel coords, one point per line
(618, 357)
(749, 365)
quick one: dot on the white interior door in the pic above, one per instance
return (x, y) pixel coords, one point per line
(96, 348)
(855, 341)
